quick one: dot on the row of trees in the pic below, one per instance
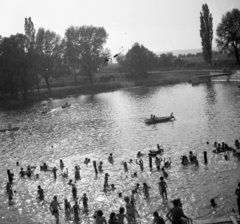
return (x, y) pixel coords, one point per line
(228, 34)
(27, 58)
(139, 60)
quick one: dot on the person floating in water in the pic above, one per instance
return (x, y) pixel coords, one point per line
(110, 158)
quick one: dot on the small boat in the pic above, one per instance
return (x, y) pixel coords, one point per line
(224, 150)
(158, 120)
(9, 129)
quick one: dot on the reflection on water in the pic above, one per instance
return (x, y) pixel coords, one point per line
(97, 125)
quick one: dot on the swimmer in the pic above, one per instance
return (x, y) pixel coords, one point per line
(113, 187)
(130, 161)
(67, 206)
(158, 162)
(139, 154)
(140, 163)
(86, 161)
(163, 188)
(22, 173)
(145, 190)
(74, 191)
(165, 175)
(54, 208)
(167, 164)
(77, 173)
(40, 193)
(213, 204)
(65, 174)
(70, 182)
(136, 188)
(121, 215)
(76, 211)
(17, 163)
(110, 158)
(134, 175)
(61, 164)
(106, 179)
(100, 167)
(85, 201)
(125, 166)
(54, 172)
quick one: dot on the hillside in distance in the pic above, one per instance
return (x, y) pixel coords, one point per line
(186, 51)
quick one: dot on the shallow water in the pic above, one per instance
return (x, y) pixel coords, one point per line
(95, 126)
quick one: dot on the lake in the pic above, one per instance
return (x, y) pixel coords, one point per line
(96, 125)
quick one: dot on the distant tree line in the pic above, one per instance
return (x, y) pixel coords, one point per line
(26, 59)
(139, 60)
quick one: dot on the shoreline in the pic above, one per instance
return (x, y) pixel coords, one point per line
(160, 78)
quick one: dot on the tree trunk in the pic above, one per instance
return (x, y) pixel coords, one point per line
(75, 79)
(90, 78)
(48, 85)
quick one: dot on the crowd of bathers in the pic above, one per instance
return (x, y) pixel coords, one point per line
(130, 201)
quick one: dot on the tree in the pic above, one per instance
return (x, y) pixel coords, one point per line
(31, 48)
(50, 48)
(206, 33)
(85, 51)
(15, 67)
(228, 32)
(138, 61)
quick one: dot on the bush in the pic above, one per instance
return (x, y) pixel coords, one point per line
(191, 64)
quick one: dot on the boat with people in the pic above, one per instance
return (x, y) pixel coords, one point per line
(9, 129)
(154, 119)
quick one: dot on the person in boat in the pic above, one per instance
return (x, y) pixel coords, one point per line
(172, 115)
(159, 151)
(139, 154)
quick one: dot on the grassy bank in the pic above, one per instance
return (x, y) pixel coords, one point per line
(63, 89)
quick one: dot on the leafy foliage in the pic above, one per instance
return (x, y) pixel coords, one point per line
(206, 33)
(228, 32)
(85, 51)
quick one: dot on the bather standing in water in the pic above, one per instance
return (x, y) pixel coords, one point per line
(238, 197)
(110, 158)
(140, 163)
(61, 164)
(77, 173)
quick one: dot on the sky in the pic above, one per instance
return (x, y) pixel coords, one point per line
(160, 25)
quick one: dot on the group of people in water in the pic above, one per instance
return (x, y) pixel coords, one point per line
(130, 201)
